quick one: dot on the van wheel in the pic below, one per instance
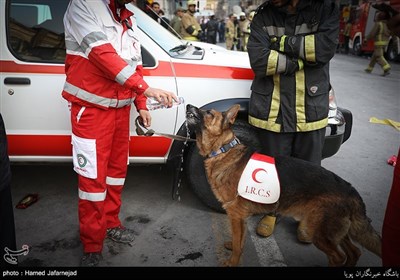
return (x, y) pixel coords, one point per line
(391, 52)
(194, 167)
(357, 47)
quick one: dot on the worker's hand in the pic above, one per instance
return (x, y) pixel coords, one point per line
(162, 96)
(292, 66)
(275, 43)
(199, 34)
(289, 45)
(146, 117)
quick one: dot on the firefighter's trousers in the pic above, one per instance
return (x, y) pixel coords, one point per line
(378, 57)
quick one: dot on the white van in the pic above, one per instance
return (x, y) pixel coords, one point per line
(32, 76)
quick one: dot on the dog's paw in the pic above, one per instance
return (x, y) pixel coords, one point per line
(228, 245)
(227, 263)
(231, 262)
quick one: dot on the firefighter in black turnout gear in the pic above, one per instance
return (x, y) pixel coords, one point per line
(291, 43)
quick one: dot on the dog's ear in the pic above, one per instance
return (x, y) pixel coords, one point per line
(231, 115)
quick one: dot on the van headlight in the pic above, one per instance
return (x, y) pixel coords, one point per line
(335, 117)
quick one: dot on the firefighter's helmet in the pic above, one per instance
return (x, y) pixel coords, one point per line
(251, 15)
(191, 2)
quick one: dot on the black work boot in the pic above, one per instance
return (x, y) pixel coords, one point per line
(91, 259)
(121, 234)
(386, 72)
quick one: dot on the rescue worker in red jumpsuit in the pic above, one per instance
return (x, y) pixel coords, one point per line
(391, 225)
(7, 224)
(104, 76)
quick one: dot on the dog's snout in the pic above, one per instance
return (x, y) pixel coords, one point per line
(192, 113)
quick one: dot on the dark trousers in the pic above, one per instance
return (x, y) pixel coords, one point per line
(391, 223)
(7, 227)
(304, 145)
(346, 44)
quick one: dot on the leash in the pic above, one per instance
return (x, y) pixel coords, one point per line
(150, 132)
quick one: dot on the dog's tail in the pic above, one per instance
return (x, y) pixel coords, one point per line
(361, 229)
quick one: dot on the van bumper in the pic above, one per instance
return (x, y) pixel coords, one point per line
(336, 134)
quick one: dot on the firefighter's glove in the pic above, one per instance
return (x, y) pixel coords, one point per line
(199, 34)
(289, 45)
(292, 66)
(192, 31)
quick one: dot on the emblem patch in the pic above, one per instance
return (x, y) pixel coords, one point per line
(82, 161)
(314, 89)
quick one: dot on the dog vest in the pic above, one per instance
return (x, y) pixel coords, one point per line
(259, 181)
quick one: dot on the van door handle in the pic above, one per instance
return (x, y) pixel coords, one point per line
(17, 81)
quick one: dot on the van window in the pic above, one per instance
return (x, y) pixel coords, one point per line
(35, 30)
(165, 39)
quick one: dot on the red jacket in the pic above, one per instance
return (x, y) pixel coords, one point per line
(103, 63)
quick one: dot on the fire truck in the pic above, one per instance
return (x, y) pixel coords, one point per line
(363, 17)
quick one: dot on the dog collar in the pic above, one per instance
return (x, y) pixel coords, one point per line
(225, 148)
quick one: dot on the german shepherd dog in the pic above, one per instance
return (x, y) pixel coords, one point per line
(330, 209)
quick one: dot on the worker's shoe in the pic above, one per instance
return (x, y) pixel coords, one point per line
(121, 234)
(302, 234)
(368, 70)
(386, 72)
(91, 259)
(266, 226)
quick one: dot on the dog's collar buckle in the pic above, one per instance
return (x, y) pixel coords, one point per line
(225, 147)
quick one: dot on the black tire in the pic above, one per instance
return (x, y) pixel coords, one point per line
(391, 52)
(357, 47)
(194, 165)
